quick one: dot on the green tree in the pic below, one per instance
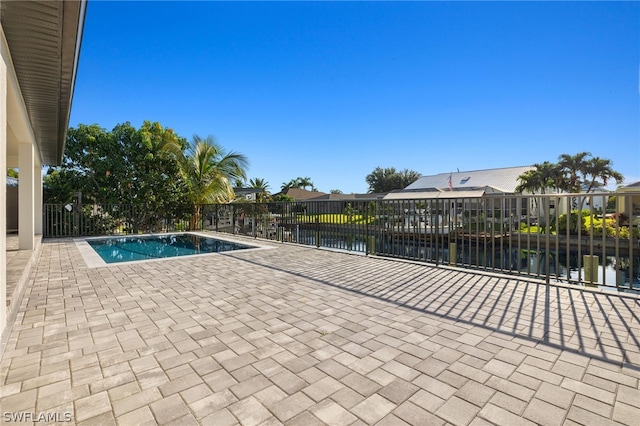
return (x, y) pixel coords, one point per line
(599, 172)
(90, 152)
(335, 191)
(287, 185)
(258, 183)
(388, 179)
(541, 178)
(305, 182)
(538, 180)
(299, 182)
(59, 184)
(574, 167)
(124, 166)
(12, 173)
(572, 173)
(209, 172)
(152, 169)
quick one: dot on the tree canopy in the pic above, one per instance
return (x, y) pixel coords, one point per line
(208, 169)
(572, 173)
(299, 182)
(125, 165)
(151, 169)
(263, 185)
(388, 179)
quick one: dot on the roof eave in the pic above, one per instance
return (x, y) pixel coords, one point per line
(44, 38)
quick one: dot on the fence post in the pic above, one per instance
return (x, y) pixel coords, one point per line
(233, 219)
(78, 213)
(371, 244)
(590, 270)
(453, 254)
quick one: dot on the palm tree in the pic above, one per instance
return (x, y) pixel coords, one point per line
(544, 176)
(303, 182)
(600, 169)
(293, 183)
(573, 167)
(209, 172)
(262, 184)
(299, 182)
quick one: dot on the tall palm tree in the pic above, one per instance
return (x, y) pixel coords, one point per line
(262, 184)
(209, 172)
(600, 169)
(303, 182)
(574, 166)
(299, 182)
(258, 183)
(293, 183)
(544, 176)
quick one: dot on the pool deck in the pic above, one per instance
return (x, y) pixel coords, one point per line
(301, 336)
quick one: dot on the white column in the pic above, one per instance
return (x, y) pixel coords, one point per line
(26, 230)
(3, 191)
(37, 193)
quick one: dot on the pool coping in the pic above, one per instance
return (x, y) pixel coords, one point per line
(93, 260)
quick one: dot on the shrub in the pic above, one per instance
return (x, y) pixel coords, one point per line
(573, 222)
(594, 226)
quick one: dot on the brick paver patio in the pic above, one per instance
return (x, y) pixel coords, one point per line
(300, 336)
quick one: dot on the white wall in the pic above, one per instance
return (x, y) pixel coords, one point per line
(3, 185)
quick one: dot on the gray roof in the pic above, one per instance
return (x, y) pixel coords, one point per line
(503, 180)
(44, 39)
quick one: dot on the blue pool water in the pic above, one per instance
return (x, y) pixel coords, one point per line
(145, 247)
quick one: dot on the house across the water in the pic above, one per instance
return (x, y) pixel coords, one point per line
(448, 195)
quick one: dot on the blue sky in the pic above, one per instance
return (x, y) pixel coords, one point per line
(331, 90)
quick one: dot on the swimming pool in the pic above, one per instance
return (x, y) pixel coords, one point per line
(146, 247)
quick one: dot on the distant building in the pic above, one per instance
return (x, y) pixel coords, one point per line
(630, 203)
(248, 194)
(466, 184)
(339, 203)
(350, 197)
(463, 192)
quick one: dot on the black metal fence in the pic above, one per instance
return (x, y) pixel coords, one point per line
(81, 220)
(590, 239)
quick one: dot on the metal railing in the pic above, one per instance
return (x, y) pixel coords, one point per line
(587, 239)
(80, 220)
